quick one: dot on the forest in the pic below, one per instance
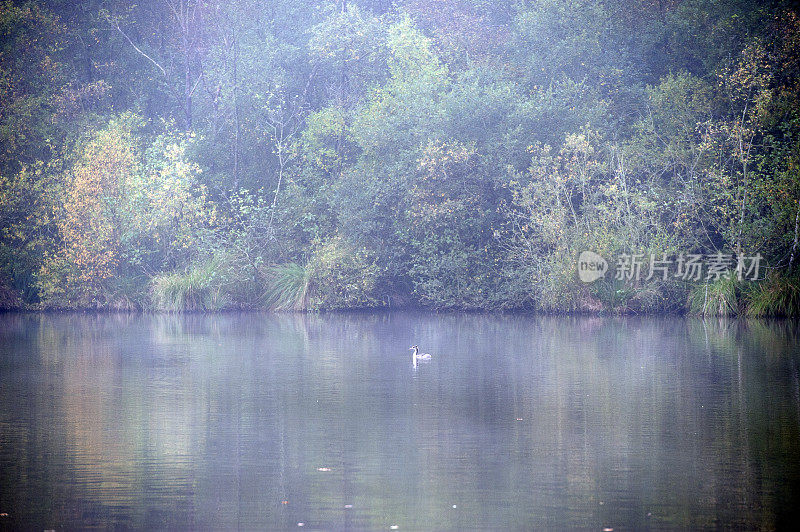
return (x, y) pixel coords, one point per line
(200, 155)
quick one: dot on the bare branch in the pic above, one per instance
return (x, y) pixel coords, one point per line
(200, 77)
(116, 25)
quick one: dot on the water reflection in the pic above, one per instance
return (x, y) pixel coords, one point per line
(261, 421)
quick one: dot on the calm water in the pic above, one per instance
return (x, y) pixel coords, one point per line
(256, 421)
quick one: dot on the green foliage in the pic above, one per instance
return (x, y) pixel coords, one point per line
(352, 43)
(558, 39)
(31, 81)
(401, 114)
(342, 276)
(446, 229)
(778, 295)
(337, 276)
(121, 213)
(613, 293)
(321, 143)
(454, 154)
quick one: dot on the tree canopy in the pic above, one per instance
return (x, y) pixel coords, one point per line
(451, 154)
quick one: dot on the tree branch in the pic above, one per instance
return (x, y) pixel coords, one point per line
(116, 25)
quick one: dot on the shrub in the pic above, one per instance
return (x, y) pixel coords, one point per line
(342, 276)
(9, 298)
(613, 293)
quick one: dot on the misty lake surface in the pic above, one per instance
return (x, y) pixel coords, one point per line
(259, 421)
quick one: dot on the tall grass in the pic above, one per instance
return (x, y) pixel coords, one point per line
(196, 289)
(778, 295)
(288, 287)
(719, 298)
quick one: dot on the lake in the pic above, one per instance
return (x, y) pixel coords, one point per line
(258, 421)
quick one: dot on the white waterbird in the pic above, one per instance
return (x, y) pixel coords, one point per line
(417, 356)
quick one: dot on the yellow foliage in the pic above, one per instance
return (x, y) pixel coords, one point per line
(122, 211)
(89, 225)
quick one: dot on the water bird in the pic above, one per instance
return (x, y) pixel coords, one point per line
(416, 356)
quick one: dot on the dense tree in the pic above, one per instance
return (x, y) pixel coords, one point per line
(445, 153)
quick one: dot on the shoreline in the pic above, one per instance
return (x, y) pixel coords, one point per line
(395, 310)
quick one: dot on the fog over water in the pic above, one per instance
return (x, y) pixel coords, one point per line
(266, 421)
